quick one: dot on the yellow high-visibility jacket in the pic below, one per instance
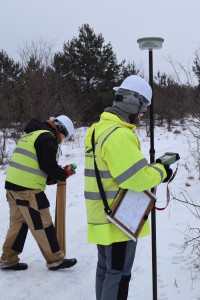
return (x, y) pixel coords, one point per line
(121, 165)
(24, 169)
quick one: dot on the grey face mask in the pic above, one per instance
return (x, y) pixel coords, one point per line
(130, 101)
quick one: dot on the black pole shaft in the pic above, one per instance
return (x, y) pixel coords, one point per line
(152, 150)
(152, 159)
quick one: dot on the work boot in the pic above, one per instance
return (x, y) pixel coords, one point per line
(66, 263)
(17, 267)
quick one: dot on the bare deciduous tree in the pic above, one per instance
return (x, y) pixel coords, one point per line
(43, 92)
(191, 244)
(41, 50)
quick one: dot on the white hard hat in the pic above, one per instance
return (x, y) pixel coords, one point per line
(137, 84)
(64, 125)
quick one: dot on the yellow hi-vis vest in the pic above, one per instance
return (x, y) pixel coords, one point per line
(24, 169)
(121, 165)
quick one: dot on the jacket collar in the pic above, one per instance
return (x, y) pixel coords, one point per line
(116, 115)
(118, 112)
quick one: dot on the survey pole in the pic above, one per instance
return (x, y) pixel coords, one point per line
(152, 150)
(152, 159)
(150, 43)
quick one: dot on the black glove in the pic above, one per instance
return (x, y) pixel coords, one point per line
(51, 181)
(169, 173)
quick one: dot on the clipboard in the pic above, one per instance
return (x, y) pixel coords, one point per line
(130, 211)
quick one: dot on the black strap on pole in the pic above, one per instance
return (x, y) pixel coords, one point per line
(152, 159)
(98, 177)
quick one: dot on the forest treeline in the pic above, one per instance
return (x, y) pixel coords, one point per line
(79, 81)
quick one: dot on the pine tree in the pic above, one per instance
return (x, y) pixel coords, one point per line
(92, 67)
(10, 74)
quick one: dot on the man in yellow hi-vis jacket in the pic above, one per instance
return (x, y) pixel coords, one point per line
(32, 166)
(121, 164)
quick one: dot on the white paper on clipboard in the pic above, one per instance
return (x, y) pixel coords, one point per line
(131, 211)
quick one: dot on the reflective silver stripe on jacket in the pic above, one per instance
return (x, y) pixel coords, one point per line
(131, 171)
(97, 196)
(26, 153)
(108, 136)
(159, 170)
(103, 174)
(28, 169)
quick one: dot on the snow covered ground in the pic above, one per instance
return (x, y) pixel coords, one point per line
(176, 278)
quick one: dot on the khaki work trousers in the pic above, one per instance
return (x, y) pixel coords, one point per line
(30, 209)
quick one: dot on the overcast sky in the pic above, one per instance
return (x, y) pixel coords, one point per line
(121, 23)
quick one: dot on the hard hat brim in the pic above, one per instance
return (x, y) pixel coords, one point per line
(116, 88)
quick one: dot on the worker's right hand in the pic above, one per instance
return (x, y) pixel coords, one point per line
(51, 181)
(169, 173)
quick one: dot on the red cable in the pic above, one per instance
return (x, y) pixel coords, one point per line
(168, 192)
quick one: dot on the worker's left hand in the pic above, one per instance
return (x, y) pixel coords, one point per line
(70, 169)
